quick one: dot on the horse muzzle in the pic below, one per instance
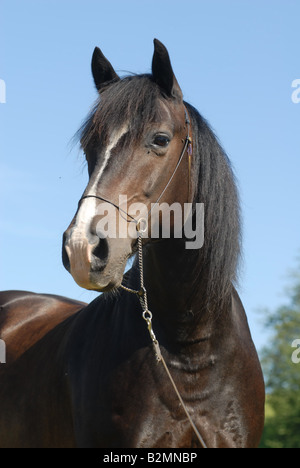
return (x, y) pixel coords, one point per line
(95, 263)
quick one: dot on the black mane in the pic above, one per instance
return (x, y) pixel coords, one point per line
(216, 188)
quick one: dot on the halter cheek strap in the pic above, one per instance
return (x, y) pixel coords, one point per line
(189, 149)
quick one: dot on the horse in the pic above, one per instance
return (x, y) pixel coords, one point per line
(91, 376)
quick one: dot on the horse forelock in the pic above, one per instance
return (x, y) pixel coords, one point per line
(134, 100)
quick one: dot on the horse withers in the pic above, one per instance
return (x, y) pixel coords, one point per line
(88, 376)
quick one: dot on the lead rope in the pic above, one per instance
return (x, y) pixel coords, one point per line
(147, 316)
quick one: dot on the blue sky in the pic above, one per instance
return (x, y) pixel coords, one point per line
(235, 61)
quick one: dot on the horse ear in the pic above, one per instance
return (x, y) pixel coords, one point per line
(163, 73)
(102, 70)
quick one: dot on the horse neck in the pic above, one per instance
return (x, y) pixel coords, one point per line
(176, 291)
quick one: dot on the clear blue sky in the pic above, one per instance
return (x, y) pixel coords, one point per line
(235, 61)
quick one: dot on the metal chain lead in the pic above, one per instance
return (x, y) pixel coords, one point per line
(147, 316)
(142, 296)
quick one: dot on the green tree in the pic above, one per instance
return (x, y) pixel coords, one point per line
(282, 428)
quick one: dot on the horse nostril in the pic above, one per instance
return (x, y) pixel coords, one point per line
(65, 257)
(100, 255)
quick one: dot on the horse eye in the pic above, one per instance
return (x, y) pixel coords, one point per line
(161, 140)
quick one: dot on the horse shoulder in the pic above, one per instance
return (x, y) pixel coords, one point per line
(26, 317)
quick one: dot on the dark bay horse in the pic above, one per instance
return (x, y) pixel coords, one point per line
(82, 375)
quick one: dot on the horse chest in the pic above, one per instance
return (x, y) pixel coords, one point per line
(145, 411)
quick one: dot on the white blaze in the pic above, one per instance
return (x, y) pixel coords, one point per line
(78, 248)
(88, 206)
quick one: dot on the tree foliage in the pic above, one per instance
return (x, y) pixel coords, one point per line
(282, 428)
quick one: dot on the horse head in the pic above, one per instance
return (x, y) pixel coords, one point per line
(134, 140)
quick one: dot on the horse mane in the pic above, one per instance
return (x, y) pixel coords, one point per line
(136, 99)
(216, 187)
